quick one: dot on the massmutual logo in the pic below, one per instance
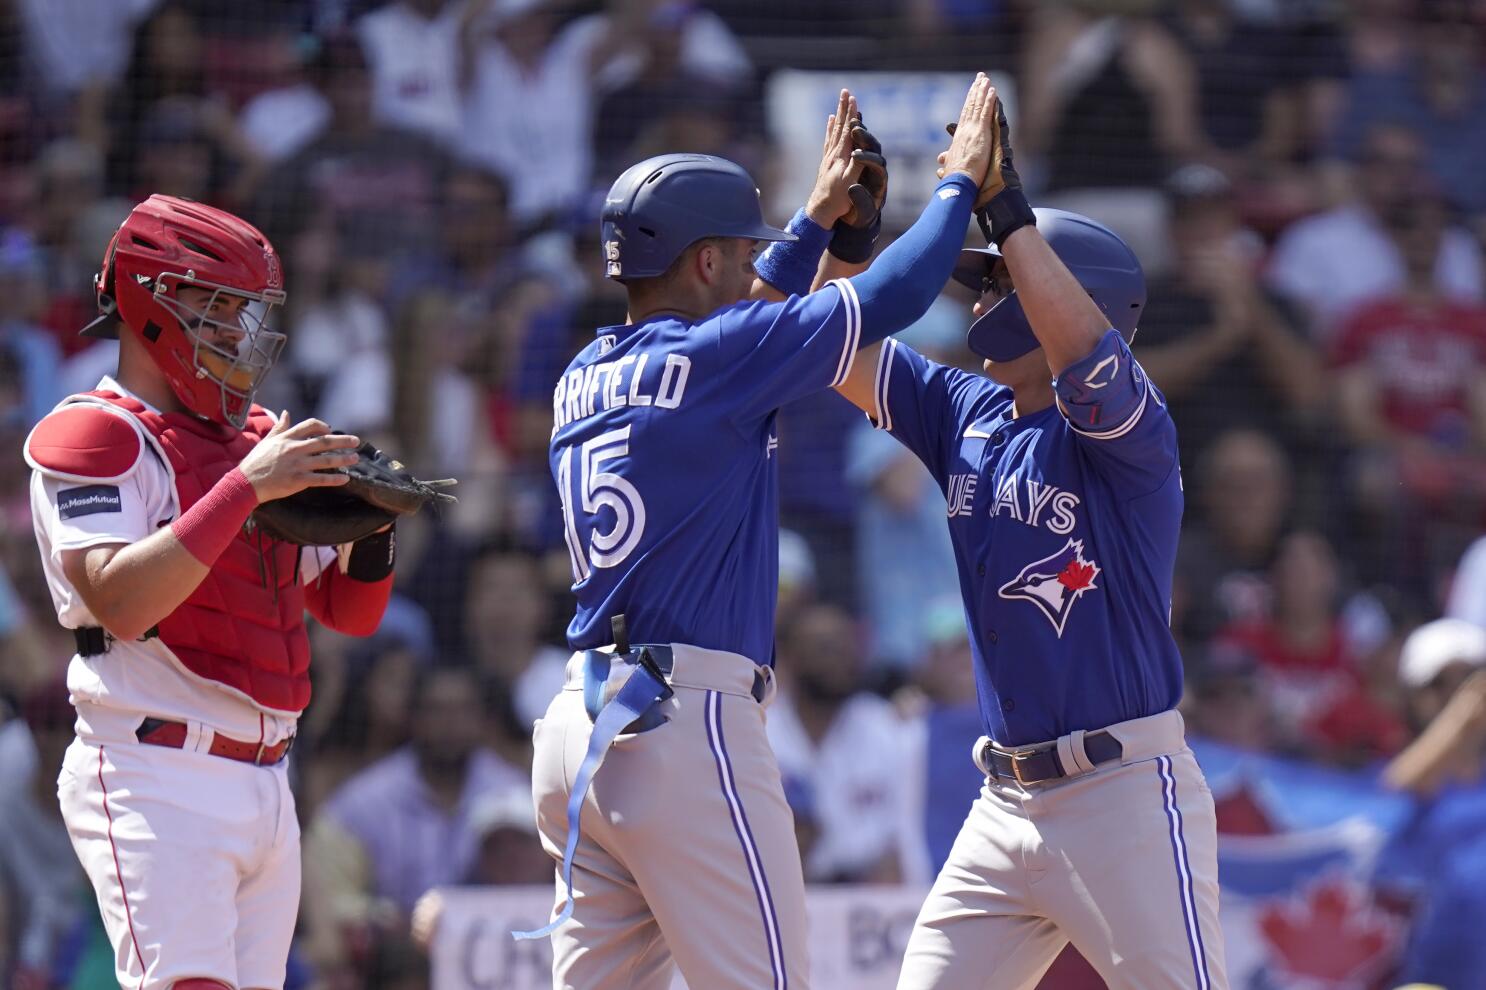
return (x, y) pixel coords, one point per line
(88, 500)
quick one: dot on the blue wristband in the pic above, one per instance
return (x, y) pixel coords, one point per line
(790, 266)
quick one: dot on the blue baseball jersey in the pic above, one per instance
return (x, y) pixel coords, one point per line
(1064, 525)
(663, 451)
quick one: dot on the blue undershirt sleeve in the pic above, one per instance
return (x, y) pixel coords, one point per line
(908, 276)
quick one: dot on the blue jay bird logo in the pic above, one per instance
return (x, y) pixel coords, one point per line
(1054, 583)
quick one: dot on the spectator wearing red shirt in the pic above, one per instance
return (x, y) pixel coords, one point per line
(1411, 390)
(1307, 668)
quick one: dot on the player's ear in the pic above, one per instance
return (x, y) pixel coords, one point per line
(708, 262)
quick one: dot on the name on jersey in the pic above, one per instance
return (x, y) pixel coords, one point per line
(1030, 502)
(611, 384)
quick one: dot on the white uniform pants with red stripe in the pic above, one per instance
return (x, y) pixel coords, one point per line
(194, 859)
(1121, 861)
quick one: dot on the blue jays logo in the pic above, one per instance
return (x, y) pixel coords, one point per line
(1054, 583)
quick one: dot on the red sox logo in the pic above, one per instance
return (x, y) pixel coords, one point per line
(1054, 583)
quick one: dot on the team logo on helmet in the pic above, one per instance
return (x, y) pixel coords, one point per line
(1054, 583)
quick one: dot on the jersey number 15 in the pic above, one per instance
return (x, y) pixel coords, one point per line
(592, 490)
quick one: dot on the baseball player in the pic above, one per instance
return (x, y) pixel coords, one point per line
(192, 660)
(1064, 500)
(663, 451)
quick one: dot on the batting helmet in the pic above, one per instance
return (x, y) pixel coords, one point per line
(164, 244)
(1103, 264)
(663, 205)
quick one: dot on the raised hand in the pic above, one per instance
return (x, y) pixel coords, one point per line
(830, 200)
(974, 137)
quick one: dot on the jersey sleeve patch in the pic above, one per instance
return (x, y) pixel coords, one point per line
(84, 443)
(88, 500)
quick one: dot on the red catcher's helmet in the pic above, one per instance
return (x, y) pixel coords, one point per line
(166, 242)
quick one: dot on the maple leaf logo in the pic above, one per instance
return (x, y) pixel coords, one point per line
(1332, 935)
(1077, 576)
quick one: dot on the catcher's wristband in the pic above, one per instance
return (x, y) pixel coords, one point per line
(1007, 212)
(371, 556)
(854, 245)
(790, 266)
(208, 527)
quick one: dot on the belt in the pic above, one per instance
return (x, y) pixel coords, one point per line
(1037, 766)
(172, 735)
(661, 660)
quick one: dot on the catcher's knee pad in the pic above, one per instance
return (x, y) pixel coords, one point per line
(201, 983)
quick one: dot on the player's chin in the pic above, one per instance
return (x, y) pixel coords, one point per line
(1016, 371)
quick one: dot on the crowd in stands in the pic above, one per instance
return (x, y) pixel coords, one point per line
(1304, 180)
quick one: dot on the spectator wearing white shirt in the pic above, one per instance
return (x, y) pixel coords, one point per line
(1335, 261)
(840, 750)
(413, 50)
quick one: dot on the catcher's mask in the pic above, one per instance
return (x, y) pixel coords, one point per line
(1103, 264)
(214, 365)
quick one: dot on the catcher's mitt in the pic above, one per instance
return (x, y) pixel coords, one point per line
(379, 491)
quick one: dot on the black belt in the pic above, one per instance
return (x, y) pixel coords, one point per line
(1037, 766)
(93, 640)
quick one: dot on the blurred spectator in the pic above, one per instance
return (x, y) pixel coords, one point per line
(1440, 90)
(282, 119)
(1244, 107)
(1222, 352)
(796, 577)
(1411, 389)
(405, 824)
(1224, 701)
(529, 116)
(370, 716)
(333, 314)
(1242, 500)
(1311, 678)
(942, 723)
(32, 354)
(74, 44)
(419, 394)
(71, 224)
(510, 849)
(164, 96)
(413, 51)
(1330, 263)
(1442, 849)
(680, 80)
(905, 560)
(507, 619)
(1467, 597)
(357, 176)
(839, 751)
(47, 891)
(1108, 105)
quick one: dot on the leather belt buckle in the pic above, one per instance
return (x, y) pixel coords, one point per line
(1020, 759)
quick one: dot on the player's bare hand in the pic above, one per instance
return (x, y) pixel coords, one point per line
(975, 137)
(299, 456)
(831, 198)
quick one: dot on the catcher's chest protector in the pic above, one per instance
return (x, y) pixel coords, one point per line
(243, 626)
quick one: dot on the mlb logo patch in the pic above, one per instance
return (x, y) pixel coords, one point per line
(88, 500)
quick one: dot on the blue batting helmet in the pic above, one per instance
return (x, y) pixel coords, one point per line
(1103, 264)
(661, 206)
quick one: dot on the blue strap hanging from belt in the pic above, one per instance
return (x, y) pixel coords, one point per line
(642, 691)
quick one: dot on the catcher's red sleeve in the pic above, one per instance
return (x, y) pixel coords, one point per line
(347, 605)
